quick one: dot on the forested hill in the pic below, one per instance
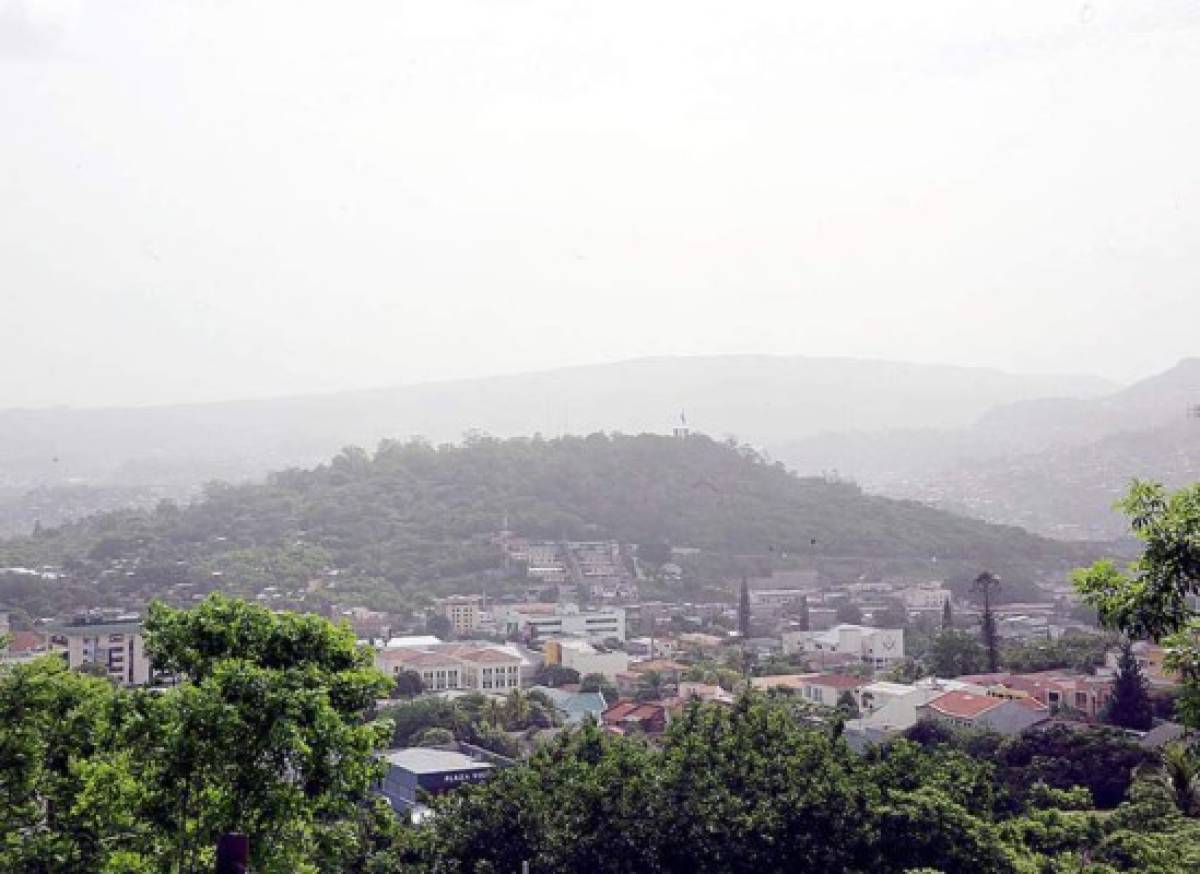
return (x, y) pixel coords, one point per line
(399, 520)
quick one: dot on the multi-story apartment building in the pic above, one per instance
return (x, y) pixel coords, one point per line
(117, 647)
(538, 622)
(463, 611)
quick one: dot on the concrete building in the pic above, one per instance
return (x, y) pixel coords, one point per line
(926, 598)
(877, 695)
(447, 667)
(584, 658)
(463, 611)
(115, 646)
(877, 647)
(539, 622)
(776, 598)
(898, 713)
(418, 771)
(827, 689)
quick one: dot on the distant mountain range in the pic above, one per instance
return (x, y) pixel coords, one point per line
(114, 457)
(1053, 465)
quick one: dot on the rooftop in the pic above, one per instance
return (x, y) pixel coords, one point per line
(837, 681)
(965, 705)
(421, 760)
(414, 640)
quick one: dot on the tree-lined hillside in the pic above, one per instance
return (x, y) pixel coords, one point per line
(172, 450)
(410, 514)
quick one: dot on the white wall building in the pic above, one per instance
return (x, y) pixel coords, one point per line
(455, 666)
(117, 647)
(582, 657)
(878, 647)
(929, 597)
(542, 621)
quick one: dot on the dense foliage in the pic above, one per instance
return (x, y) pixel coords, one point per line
(394, 523)
(1154, 596)
(269, 731)
(750, 789)
(265, 733)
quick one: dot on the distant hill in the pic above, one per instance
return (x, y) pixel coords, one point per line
(172, 450)
(395, 523)
(1054, 465)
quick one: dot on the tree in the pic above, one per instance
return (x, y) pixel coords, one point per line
(267, 734)
(1179, 774)
(954, 653)
(555, 676)
(947, 615)
(847, 706)
(986, 585)
(906, 670)
(1151, 597)
(650, 686)
(744, 611)
(408, 685)
(598, 683)
(434, 737)
(517, 709)
(802, 618)
(1129, 705)
(849, 613)
(439, 625)
(894, 615)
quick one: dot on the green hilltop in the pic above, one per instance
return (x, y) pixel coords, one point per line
(410, 518)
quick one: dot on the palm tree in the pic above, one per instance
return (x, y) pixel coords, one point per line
(1179, 774)
(651, 686)
(517, 709)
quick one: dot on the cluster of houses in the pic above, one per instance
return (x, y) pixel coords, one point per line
(603, 571)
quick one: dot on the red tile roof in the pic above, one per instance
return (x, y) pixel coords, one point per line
(25, 641)
(836, 681)
(417, 658)
(964, 705)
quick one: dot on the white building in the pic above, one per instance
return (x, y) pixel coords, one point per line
(878, 647)
(538, 622)
(455, 666)
(929, 597)
(582, 657)
(776, 597)
(898, 713)
(117, 647)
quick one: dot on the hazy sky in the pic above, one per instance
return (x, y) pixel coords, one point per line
(206, 199)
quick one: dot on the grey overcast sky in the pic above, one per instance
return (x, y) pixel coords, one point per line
(204, 199)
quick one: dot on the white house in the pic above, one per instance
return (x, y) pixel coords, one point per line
(878, 647)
